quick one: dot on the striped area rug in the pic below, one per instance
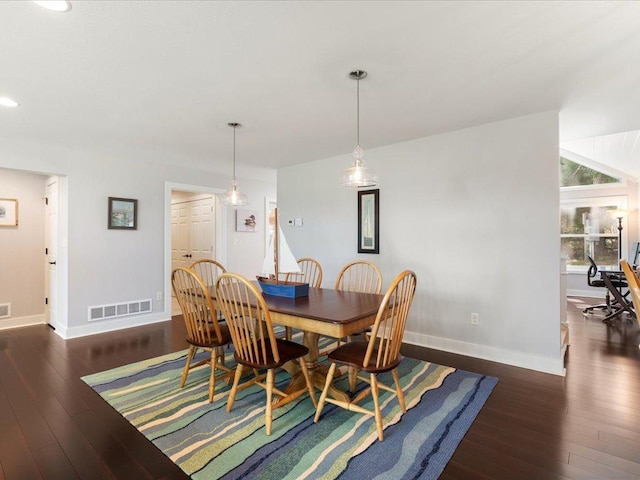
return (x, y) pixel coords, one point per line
(208, 443)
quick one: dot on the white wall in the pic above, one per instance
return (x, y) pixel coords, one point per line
(474, 213)
(22, 259)
(109, 266)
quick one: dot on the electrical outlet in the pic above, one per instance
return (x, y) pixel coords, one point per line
(475, 319)
(159, 296)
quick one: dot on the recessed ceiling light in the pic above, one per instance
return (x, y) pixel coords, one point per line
(8, 102)
(54, 5)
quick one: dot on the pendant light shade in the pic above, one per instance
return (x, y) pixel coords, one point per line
(358, 176)
(234, 196)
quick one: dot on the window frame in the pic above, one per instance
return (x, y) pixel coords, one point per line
(620, 201)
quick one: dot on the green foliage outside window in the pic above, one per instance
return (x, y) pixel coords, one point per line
(573, 174)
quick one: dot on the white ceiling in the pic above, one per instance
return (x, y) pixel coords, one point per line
(170, 75)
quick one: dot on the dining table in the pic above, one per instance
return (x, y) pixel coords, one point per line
(324, 311)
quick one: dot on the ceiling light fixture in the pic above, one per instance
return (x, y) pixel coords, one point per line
(233, 196)
(8, 102)
(54, 5)
(358, 176)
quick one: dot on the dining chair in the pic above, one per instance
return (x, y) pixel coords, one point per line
(311, 273)
(256, 346)
(208, 270)
(379, 354)
(359, 276)
(204, 332)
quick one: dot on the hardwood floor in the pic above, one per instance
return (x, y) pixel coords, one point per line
(533, 426)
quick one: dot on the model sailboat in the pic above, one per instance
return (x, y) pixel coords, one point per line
(279, 260)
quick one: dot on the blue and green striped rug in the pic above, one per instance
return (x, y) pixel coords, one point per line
(208, 443)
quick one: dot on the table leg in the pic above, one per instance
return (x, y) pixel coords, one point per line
(317, 370)
(617, 295)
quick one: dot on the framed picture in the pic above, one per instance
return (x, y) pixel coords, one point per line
(368, 221)
(246, 220)
(8, 212)
(123, 213)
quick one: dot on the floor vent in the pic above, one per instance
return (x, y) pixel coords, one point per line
(101, 312)
(5, 310)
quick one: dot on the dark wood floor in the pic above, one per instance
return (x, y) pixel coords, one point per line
(534, 426)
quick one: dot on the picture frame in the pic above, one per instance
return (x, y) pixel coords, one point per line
(246, 220)
(123, 214)
(369, 221)
(8, 212)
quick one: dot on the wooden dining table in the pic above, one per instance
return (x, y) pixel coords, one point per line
(324, 311)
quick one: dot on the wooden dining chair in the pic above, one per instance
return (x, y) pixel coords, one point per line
(256, 346)
(204, 332)
(311, 273)
(360, 276)
(208, 270)
(381, 353)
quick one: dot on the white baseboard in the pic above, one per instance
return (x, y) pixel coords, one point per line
(105, 326)
(585, 293)
(554, 366)
(22, 321)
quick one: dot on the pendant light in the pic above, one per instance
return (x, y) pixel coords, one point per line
(358, 176)
(233, 196)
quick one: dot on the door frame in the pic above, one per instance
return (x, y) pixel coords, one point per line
(62, 261)
(221, 231)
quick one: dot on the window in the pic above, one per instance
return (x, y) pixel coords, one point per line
(589, 230)
(574, 174)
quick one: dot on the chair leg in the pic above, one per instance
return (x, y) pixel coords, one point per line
(325, 390)
(305, 372)
(190, 354)
(234, 388)
(269, 412)
(212, 375)
(353, 379)
(376, 404)
(288, 333)
(399, 392)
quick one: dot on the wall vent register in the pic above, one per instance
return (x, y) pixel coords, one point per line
(5, 310)
(101, 312)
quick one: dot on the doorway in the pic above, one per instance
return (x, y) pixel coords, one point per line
(195, 228)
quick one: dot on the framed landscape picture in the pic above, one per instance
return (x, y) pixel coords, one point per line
(123, 213)
(8, 212)
(368, 221)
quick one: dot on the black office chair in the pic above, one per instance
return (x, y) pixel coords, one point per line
(592, 281)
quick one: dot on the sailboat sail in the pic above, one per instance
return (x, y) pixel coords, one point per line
(280, 261)
(286, 261)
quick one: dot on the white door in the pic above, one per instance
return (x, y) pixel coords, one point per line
(51, 251)
(180, 224)
(192, 231)
(201, 238)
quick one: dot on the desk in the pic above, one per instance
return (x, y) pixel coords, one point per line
(620, 304)
(324, 312)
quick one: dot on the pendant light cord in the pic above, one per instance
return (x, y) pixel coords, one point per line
(358, 111)
(234, 152)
